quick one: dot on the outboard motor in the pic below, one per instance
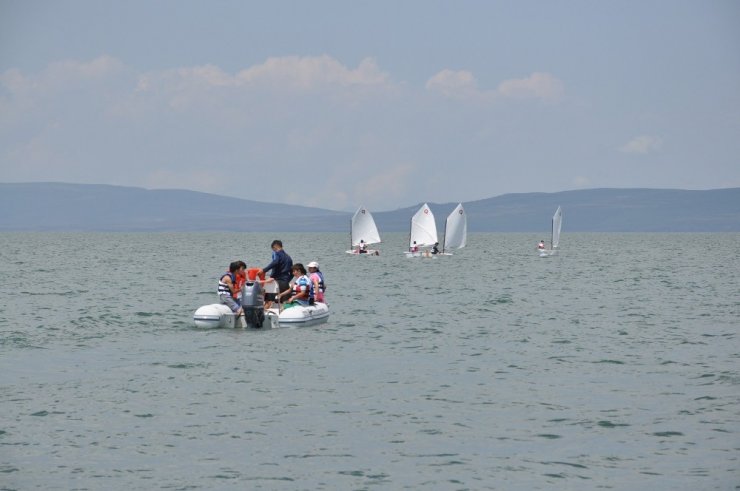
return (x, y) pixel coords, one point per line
(253, 303)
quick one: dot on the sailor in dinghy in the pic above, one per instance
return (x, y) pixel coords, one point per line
(362, 233)
(423, 234)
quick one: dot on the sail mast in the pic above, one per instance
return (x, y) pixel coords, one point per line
(552, 233)
(444, 244)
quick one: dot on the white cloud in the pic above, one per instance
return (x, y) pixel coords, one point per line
(307, 73)
(462, 84)
(454, 84)
(537, 86)
(280, 73)
(642, 145)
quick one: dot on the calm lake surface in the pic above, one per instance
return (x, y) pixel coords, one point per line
(613, 365)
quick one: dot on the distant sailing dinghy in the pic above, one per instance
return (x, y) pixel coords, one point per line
(363, 232)
(423, 233)
(456, 230)
(557, 223)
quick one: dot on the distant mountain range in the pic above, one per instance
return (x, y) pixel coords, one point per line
(91, 207)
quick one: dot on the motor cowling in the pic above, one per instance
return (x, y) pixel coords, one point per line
(253, 303)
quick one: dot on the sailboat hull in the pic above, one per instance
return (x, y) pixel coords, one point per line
(427, 254)
(370, 252)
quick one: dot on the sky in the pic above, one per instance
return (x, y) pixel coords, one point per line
(386, 104)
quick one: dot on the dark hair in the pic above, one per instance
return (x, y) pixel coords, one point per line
(242, 264)
(276, 242)
(299, 267)
(234, 266)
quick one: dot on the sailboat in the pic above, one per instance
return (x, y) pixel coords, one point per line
(456, 230)
(363, 232)
(423, 233)
(557, 223)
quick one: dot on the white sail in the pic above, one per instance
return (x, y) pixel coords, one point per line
(423, 228)
(363, 228)
(557, 223)
(456, 229)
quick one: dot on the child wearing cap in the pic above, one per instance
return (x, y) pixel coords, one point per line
(317, 281)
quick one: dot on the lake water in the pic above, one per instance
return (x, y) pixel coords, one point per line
(613, 365)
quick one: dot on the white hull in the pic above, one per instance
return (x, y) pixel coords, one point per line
(370, 252)
(220, 316)
(546, 252)
(427, 254)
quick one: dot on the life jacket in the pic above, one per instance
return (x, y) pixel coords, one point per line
(302, 284)
(322, 285)
(317, 295)
(239, 283)
(223, 288)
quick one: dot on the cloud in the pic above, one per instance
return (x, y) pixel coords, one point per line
(454, 84)
(294, 73)
(537, 86)
(642, 145)
(306, 73)
(462, 84)
(581, 182)
(279, 81)
(361, 135)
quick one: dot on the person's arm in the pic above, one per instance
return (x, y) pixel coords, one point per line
(229, 283)
(302, 292)
(278, 258)
(302, 295)
(267, 268)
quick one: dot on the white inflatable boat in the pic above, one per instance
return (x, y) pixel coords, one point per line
(255, 316)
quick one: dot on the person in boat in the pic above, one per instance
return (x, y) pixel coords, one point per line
(435, 249)
(227, 287)
(414, 247)
(300, 293)
(241, 278)
(317, 282)
(541, 245)
(362, 247)
(280, 267)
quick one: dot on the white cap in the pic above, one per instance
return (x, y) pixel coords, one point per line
(313, 264)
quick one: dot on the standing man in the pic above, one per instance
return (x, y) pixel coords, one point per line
(281, 266)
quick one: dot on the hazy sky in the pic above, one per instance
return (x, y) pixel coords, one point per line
(382, 103)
